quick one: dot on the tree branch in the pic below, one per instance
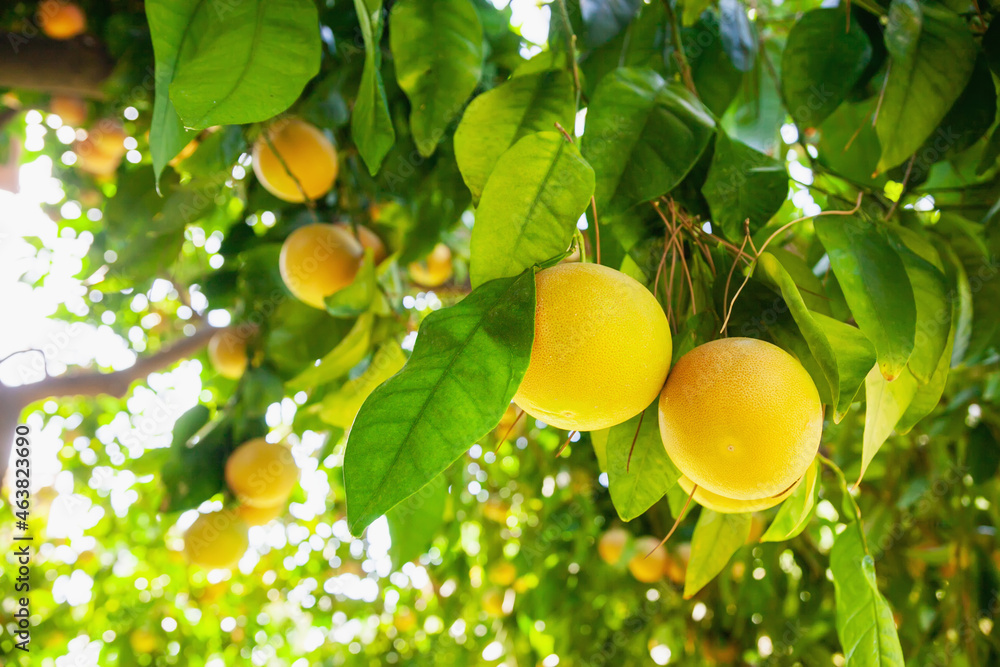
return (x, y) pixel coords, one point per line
(71, 67)
(13, 400)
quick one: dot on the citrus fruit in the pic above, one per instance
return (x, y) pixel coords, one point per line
(258, 516)
(317, 260)
(228, 354)
(216, 540)
(493, 603)
(612, 544)
(433, 270)
(61, 20)
(142, 641)
(502, 574)
(717, 503)
(601, 351)
(648, 569)
(368, 239)
(71, 110)
(102, 151)
(741, 418)
(404, 620)
(261, 474)
(306, 153)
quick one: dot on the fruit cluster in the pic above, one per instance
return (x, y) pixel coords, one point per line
(739, 417)
(261, 477)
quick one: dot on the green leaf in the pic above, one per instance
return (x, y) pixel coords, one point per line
(929, 395)
(743, 183)
(599, 440)
(886, 402)
(931, 56)
(188, 424)
(716, 538)
(875, 285)
(437, 46)
(146, 230)
(843, 353)
(414, 522)
(208, 456)
(603, 20)
(643, 136)
(824, 58)
(934, 308)
(864, 620)
(498, 118)
(341, 407)
(360, 296)
(738, 37)
(795, 512)
(347, 354)
(530, 206)
(969, 118)
(693, 10)
(982, 457)
(168, 24)
(854, 352)
(245, 62)
(469, 360)
(715, 78)
(371, 124)
(640, 475)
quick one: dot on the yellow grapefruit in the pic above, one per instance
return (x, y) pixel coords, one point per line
(317, 260)
(741, 418)
(306, 153)
(601, 351)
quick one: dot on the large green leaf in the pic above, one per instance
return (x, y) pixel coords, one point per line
(498, 118)
(168, 25)
(931, 56)
(716, 538)
(864, 620)
(742, 184)
(842, 352)
(414, 522)
(796, 510)
(643, 135)
(245, 62)
(934, 307)
(876, 287)
(437, 48)
(821, 63)
(886, 402)
(530, 206)
(466, 366)
(639, 475)
(371, 125)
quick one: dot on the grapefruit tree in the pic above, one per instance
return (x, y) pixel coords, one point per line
(600, 332)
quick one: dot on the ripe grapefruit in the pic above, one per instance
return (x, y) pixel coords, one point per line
(601, 351)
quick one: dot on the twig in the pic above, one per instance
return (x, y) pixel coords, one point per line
(677, 521)
(571, 49)
(679, 55)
